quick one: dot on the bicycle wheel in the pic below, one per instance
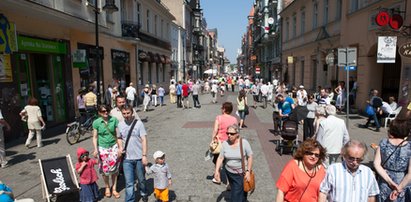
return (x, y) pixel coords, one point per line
(72, 134)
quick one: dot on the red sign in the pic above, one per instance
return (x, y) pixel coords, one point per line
(396, 21)
(382, 18)
(257, 70)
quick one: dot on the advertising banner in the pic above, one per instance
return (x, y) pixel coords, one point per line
(386, 50)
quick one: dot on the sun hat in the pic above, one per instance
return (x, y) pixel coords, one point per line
(301, 86)
(158, 154)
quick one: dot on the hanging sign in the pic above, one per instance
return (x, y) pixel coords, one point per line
(405, 50)
(6, 74)
(79, 58)
(386, 49)
(8, 39)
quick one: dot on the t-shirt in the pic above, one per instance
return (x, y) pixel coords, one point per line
(5, 197)
(134, 148)
(286, 105)
(232, 156)
(80, 102)
(161, 91)
(161, 175)
(179, 89)
(185, 90)
(116, 112)
(90, 99)
(106, 138)
(130, 91)
(293, 182)
(223, 122)
(33, 113)
(196, 89)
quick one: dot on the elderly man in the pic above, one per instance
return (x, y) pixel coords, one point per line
(332, 134)
(131, 94)
(116, 111)
(349, 180)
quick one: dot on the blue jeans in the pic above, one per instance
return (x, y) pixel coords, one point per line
(132, 167)
(161, 100)
(237, 187)
(377, 123)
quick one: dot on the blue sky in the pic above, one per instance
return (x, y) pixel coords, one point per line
(230, 19)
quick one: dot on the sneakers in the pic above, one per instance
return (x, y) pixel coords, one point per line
(4, 164)
(215, 181)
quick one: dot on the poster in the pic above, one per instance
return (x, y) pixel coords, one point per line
(386, 49)
(5, 68)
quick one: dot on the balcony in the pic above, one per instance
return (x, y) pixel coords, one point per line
(130, 29)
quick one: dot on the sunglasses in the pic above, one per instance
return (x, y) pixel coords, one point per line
(308, 153)
(231, 133)
(352, 159)
(103, 111)
(84, 155)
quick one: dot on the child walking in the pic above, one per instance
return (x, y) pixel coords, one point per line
(162, 176)
(88, 176)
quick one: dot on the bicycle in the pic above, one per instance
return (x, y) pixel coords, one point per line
(76, 129)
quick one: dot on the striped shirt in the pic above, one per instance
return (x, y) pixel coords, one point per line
(340, 185)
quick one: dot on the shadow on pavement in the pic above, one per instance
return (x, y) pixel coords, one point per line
(224, 195)
(21, 157)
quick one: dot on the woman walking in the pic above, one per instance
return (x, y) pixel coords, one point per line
(231, 155)
(147, 97)
(241, 105)
(154, 95)
(107, 148)
(301, 178)
(309, 120)
(173, 95)
(35, 121)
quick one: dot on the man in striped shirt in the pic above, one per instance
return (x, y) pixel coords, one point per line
(349, 181)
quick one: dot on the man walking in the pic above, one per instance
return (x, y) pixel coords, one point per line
(131, 94)
(332, 134)
(349, 180)
(116, 111)
(196, 89)
(133, 136)
(179, 92)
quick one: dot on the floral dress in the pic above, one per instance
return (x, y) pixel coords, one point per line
(396, 167)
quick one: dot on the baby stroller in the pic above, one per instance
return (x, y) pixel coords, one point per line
(289, 137)
(289, 133)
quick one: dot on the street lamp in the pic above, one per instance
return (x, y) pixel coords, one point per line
(109, 7)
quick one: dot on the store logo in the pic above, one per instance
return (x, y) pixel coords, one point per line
(405, 50)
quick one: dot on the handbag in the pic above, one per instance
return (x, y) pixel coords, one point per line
(246, 110)
(249, 185)
(215, 146)
(369, 110)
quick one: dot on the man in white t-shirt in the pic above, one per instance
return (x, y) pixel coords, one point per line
(131, 94)
(264, 93)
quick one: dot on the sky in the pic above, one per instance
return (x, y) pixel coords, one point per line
(230, 19)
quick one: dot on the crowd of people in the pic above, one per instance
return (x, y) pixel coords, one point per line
(326, 165)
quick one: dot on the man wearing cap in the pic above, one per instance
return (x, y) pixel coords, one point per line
(135, 153)
(131, 94)
(302, 96)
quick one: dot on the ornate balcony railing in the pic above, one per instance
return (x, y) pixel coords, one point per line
(130, 29)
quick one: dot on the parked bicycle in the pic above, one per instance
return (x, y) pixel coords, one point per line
(76, 129)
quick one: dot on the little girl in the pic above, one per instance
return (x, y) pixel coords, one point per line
(88, 176)
(162, 176)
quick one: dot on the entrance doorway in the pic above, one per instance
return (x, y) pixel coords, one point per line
(391, 79)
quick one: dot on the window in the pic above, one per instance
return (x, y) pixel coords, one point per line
(315, 15)
(354, 5)
(302, 22)
(338, 13)
(287, 30)
(162, 28)
(148, 21)
(155, 25)
(157, 72)
(168, 31)
(294, 25)
(325, 12)
(139, 13)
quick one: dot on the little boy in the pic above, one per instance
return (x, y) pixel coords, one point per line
(162, 176)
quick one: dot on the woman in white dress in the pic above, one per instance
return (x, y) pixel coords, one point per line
(147, 97)
(35, 122)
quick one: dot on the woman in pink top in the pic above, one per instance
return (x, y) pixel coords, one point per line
(221, 123)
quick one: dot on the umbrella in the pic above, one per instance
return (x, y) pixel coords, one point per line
(299, 113)
(210, 71)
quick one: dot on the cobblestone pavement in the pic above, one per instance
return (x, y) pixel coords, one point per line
(183, 134)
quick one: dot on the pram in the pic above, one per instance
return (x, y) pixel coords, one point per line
(288, 134)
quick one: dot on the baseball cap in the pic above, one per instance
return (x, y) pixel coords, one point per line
(158, 154)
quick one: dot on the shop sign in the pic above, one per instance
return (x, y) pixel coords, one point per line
(387, 46)
(79, 58)
(405, 50)
(290, 59)
(5, 68)
(40, 45)
(8, 42)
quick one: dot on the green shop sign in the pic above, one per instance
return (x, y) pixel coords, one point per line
(39, 45)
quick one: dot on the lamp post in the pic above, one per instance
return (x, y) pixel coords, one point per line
(109, 7)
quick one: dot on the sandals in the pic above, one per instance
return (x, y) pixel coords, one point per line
(116, 194)
(215, 181)
(107, 194)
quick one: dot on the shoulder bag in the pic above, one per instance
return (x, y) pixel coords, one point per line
(128, 138)
(249, 185)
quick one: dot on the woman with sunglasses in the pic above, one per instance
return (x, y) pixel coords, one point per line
(107, 148)
(392, 163)
(230, 154)
(301, 178)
